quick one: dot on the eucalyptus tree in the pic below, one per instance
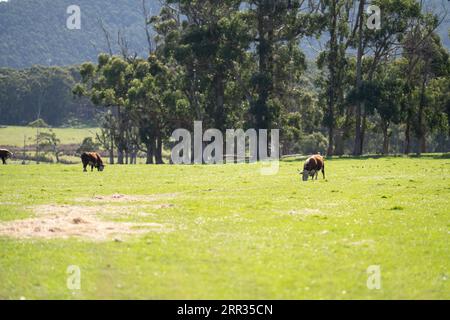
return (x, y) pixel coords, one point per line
(107, 85)
(438, 121)
(432, 62)
(384, 96)
(156, 104)
(333, 61)
(208, 42)
(381, 45)
(276, 28)
(425, 60)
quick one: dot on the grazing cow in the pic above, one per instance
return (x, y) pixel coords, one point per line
(312, 166)
(5, 154)
(92, 159)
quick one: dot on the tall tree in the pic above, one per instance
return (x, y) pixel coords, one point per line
(333, 62)
(425, 59)
(381, 45)
(273, 23)
(107, 85)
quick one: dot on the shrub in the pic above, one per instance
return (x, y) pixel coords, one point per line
(88, 145)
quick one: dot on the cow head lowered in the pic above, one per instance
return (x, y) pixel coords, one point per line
(5, 154)
(306, 174)
(312, 166)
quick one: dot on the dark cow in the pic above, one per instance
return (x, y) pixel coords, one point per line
(5, 154)
(312, 166)
(92, 159)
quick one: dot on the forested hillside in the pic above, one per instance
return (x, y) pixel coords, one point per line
(35, 31)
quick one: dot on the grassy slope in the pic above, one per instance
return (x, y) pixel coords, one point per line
(13, 136)
(234, 236)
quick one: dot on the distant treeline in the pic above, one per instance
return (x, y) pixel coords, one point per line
(43, 92)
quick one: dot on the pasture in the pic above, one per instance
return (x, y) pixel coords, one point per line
(227, 232)
(14, 135)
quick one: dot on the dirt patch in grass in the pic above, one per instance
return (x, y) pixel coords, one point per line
(112, 211)
(119, 198)
(306, 211)
(8, 203)
(66, 221)
(364, 243)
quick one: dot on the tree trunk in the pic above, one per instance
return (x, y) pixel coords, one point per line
(408, 135)
(265, 65)
(111, 148)
(423, 144)
(363, 131)
(121, 144)
(149, 153)
(119, 156)
(385, 127)
(158, 153)
(133, 156)
(332, 58)
(357, 150)
(330, 141)
(339, 144)
(421, 124)
(357, 145)
(111, 156)
(264, 49)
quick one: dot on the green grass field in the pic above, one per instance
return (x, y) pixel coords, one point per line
(231, 233)
(14, 135)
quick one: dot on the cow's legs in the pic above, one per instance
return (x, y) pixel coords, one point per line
(323, 172)
(3, 160)
(84, 168)
(92, 168)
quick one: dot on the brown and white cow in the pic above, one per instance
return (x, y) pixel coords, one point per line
(5, 154)
(312, 166)
(92, 159)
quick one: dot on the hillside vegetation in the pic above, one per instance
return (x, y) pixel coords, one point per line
(35, 32)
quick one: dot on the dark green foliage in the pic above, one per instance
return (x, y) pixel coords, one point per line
(88, 145)
(41, 92)
(35, 32)
(48, 143)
